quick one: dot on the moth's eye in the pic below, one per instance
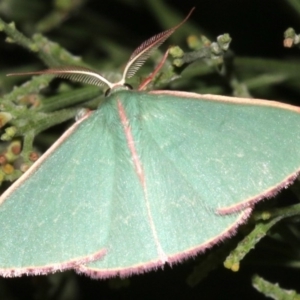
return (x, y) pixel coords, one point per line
(128, 86)
(107, 92)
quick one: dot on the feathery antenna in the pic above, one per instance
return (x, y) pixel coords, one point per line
(76, 73)
(136, 60)
(141, 53)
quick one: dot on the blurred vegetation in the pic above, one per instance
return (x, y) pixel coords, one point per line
(241, 50)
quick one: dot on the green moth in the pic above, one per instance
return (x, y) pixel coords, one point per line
(148, 178)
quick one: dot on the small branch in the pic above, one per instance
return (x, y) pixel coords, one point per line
(265, 221)
(272, 290)
(49, 52)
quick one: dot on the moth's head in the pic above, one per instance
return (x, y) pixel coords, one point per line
(117, 87)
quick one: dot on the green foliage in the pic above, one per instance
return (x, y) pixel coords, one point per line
(273, 291)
